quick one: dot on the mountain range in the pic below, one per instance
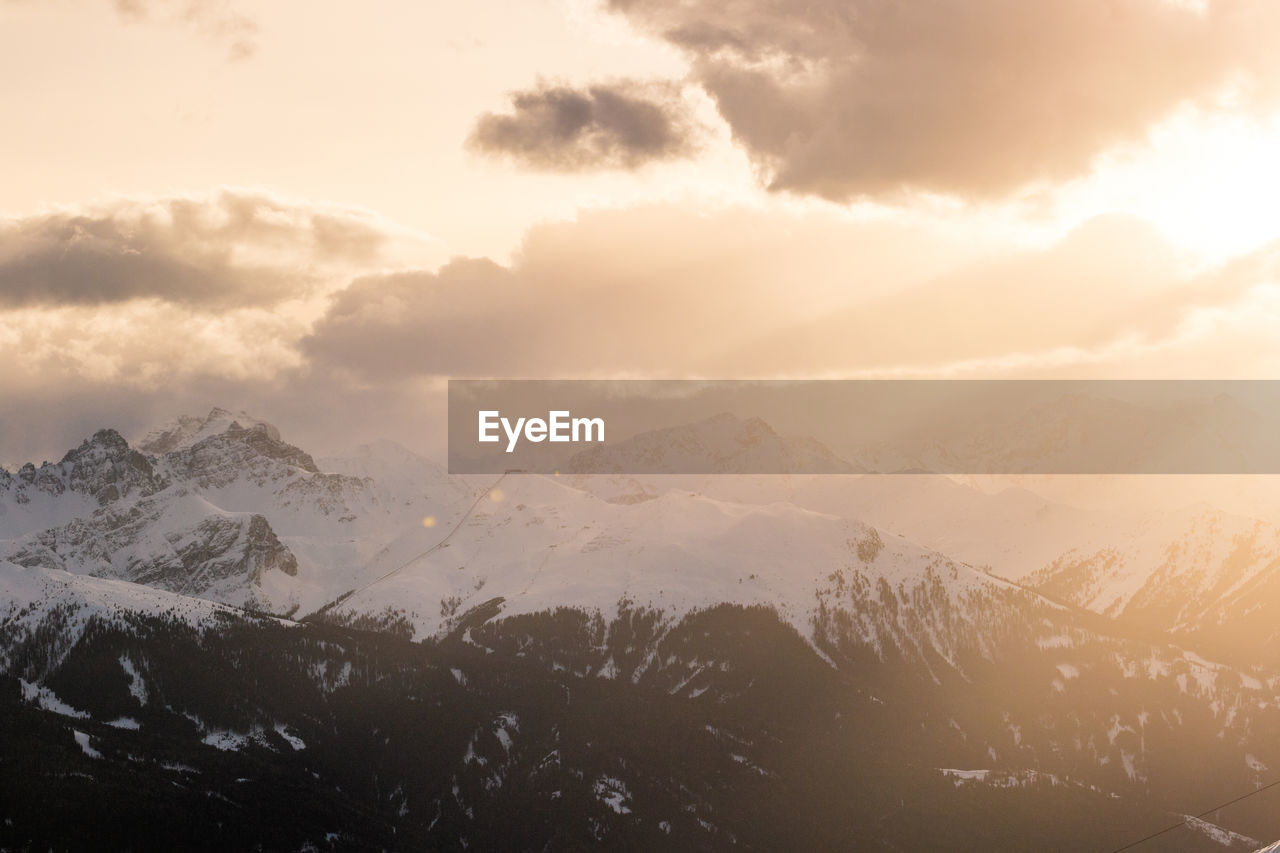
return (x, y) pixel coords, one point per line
(210, 614)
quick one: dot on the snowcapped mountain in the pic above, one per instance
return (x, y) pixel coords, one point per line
(532, 544)
(175, 540)
(396, 472)
(1193, 572)
(186, 430)
(224, 509)
(1010, 532)
(226, 512)
(661, 661)
(1197, 573)
(235, 514)
(53, 608)
(100, 471)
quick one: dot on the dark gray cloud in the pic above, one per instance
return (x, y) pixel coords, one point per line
(619, 125)
(237, 249)
(859, 98)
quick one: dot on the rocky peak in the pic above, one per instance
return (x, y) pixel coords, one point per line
(104, 443)
(106, 467)
(236, 452)
(265, 439)
(187, 430)
(103, 467)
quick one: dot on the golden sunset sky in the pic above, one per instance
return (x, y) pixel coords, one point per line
(319, 211)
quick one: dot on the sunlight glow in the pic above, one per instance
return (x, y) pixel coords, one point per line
(1209, 182)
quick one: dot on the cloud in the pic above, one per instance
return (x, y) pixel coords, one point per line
(1111, 276)
(232, 249)
(149, 343)
(847, 99)
(265, 289)
(658, 294)
(663, 291)
(618, 125)
(647, 290)
(1112, 298)
(215, 18)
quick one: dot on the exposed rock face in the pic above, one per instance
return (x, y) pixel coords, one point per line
(186, 430)
(220, 459)
(175, 542)
(103, 467)
(112, 512)
(107, 468)
(221, 508)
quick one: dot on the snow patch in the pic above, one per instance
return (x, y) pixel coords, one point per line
(613, 793)
(227, 741)
(1217, 834)
(293, 740)
(83, 740)
(38, 694)
(137, 687)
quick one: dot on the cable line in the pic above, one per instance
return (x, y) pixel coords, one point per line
(1189, 818)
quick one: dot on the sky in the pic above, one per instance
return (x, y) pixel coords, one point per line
(321, 211)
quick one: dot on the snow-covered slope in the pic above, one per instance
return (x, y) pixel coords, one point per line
(1197, 572)
(52, 608)
(537, 544)
(1012, 532)
(174, 540)
(1194, 571)
(28, 594)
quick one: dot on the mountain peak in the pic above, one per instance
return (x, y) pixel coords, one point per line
(103, 442)
(186, 430)
(106, 467)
